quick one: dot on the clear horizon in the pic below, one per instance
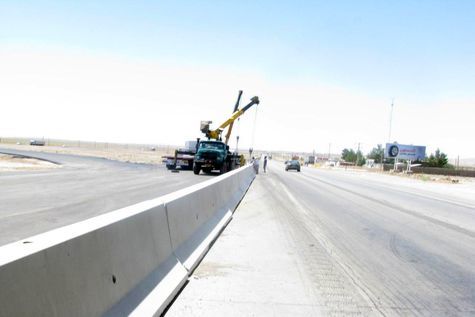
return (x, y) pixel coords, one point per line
(326, 73)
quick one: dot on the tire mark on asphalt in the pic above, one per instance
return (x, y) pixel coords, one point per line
(399, 208)
(330, 274)
(417, 260)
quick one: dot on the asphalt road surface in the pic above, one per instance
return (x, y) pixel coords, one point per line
(33, 202)
(339, 243)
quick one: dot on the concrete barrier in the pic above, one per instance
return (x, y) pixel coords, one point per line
(119, 261)
(131, 261)
(195, 221)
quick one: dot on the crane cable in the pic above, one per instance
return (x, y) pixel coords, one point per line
(238, 128)
(254, 129)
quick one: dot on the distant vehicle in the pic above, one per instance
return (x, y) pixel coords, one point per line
(37, 142)
(310, 160)
(292, 165)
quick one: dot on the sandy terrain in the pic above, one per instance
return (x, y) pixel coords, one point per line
(125, 154)
(10, 163)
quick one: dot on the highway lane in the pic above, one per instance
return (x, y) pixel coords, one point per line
(339, 243)
(36, 201)
(391, 242)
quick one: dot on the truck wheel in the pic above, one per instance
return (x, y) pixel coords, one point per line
(196, 169)
(223, 169)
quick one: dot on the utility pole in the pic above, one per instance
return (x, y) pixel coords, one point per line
(329, 150)
(391, 120)
(358, 154)
(389, 136)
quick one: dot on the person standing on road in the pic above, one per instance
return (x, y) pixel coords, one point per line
(265, 163)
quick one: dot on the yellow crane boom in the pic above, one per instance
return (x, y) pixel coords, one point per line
(216, 134)
(230, 129)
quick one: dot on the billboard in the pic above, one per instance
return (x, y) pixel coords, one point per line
(405, 152)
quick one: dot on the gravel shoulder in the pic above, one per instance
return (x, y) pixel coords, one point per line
(252, 269)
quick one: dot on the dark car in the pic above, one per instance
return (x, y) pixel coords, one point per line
(37, 142)
(292, 165)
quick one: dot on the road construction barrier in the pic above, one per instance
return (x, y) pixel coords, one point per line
(131, 261)
(197, 214)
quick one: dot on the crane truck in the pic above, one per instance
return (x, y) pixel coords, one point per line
(213, 153)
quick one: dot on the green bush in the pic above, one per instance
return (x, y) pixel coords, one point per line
(437, 159)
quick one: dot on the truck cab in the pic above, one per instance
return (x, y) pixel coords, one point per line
(213, 155)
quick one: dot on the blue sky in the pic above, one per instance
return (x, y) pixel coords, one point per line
(421, 53)
(425, 43)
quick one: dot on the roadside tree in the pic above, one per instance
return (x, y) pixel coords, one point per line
(437, 159)
(349, 155)
(360, 159)
(376, 154)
